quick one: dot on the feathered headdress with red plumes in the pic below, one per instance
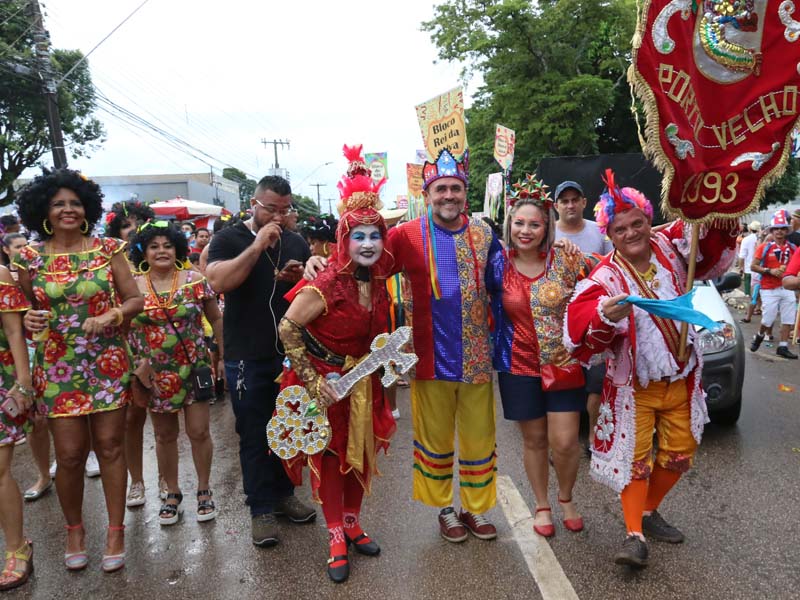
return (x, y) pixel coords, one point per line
(359, 204)
(356, 188)
(615, 200)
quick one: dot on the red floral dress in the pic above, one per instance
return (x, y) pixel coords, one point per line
(76, 374)
(11, 430)
(345, 328)
(152, 336)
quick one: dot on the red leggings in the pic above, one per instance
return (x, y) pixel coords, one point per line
(339, 493)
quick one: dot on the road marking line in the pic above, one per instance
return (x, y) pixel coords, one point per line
(542, 562)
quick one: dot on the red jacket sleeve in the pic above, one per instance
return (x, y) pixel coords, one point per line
(793, 268)
(586, 331)
(716, 248)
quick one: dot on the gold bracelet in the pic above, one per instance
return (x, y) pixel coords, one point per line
(25, 391)
(120, 316)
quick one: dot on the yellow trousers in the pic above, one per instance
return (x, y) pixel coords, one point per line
(665, 406)
(437, 409)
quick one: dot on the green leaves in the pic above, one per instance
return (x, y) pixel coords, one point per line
(554, 71)
(23, 126)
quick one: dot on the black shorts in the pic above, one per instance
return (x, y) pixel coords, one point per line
(523, 398)
(594, 378)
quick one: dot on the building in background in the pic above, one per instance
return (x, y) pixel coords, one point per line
(200, 187)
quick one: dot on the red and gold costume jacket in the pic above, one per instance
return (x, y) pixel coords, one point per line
(643, 347)
(345, 329)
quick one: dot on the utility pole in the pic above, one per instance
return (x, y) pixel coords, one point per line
(42, 50)
(318, 185)
(275, 144)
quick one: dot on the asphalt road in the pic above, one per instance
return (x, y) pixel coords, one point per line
(738, 508)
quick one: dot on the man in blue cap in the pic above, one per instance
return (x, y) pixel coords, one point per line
(570, 205)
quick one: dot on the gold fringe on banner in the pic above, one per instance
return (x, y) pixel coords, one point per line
(655, 152)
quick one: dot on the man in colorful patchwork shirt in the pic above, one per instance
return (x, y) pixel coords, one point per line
(444, 254)
(648, 381)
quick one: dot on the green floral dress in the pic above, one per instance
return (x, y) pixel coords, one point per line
(76, 374)
(153, 337)
(11, 430)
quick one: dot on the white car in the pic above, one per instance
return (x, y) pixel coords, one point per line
(723, 351)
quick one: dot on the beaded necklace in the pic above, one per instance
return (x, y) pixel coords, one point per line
(173, 290)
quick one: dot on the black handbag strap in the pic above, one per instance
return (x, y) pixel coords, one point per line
(175, 329)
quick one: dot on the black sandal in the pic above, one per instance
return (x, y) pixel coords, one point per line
(207, 505)
(169, 514)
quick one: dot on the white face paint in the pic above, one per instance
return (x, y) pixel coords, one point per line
(366, 245)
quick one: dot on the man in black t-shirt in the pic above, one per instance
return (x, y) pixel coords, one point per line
(254, 263)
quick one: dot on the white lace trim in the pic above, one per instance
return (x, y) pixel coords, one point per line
(613, 468)
(654, 361)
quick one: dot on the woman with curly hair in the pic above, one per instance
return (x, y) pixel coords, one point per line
(16, 402)
(121, 222)
(82, 291)
(170, 334)
(124, 218)
(541, 387)
(320, 233)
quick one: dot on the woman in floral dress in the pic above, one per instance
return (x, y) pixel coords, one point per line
(530, 285)
(82, 290)
(16, 389)
(170, 333)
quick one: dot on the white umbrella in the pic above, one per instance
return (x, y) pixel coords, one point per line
(183, 209)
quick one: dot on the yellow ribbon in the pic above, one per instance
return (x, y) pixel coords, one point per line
(360, 437)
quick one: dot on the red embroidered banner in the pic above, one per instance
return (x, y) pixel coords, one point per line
(719, 80)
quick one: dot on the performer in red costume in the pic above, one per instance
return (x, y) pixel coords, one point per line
(647, 385)
(329, 326)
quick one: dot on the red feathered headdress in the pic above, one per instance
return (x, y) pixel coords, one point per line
(359, 204)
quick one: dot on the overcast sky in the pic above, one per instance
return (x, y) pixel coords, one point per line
(224, 75)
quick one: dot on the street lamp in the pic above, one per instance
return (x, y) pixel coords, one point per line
(317, 168)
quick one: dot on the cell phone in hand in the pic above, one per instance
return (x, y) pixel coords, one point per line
(10, 407)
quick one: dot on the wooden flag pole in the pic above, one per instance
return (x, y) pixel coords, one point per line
(689, 285)
(796, 327)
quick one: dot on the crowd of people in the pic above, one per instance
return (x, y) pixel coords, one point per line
(159, 318)
(766, 259)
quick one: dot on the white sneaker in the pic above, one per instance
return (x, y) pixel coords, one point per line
(53, 466)
(92, 466)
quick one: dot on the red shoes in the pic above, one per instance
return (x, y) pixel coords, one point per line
(548, 531)
(575, 524)
(545, 531)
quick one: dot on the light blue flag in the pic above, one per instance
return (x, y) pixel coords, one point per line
(678, 309)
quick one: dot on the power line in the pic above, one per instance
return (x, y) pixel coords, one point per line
(85, 56)
(19, 10)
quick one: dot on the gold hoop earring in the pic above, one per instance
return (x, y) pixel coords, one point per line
(180, 265)
(141, 270)
(45, 223)
(85, 227)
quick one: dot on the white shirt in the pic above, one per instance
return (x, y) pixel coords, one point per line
(747, 251)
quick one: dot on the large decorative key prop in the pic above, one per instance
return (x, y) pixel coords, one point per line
(299, 426)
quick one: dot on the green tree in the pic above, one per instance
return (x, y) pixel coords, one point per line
(554, 71)
(305, 206)
(247, 186)
(784, 189)
(24, 136)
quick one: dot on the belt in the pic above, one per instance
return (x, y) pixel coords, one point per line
(318, 349)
